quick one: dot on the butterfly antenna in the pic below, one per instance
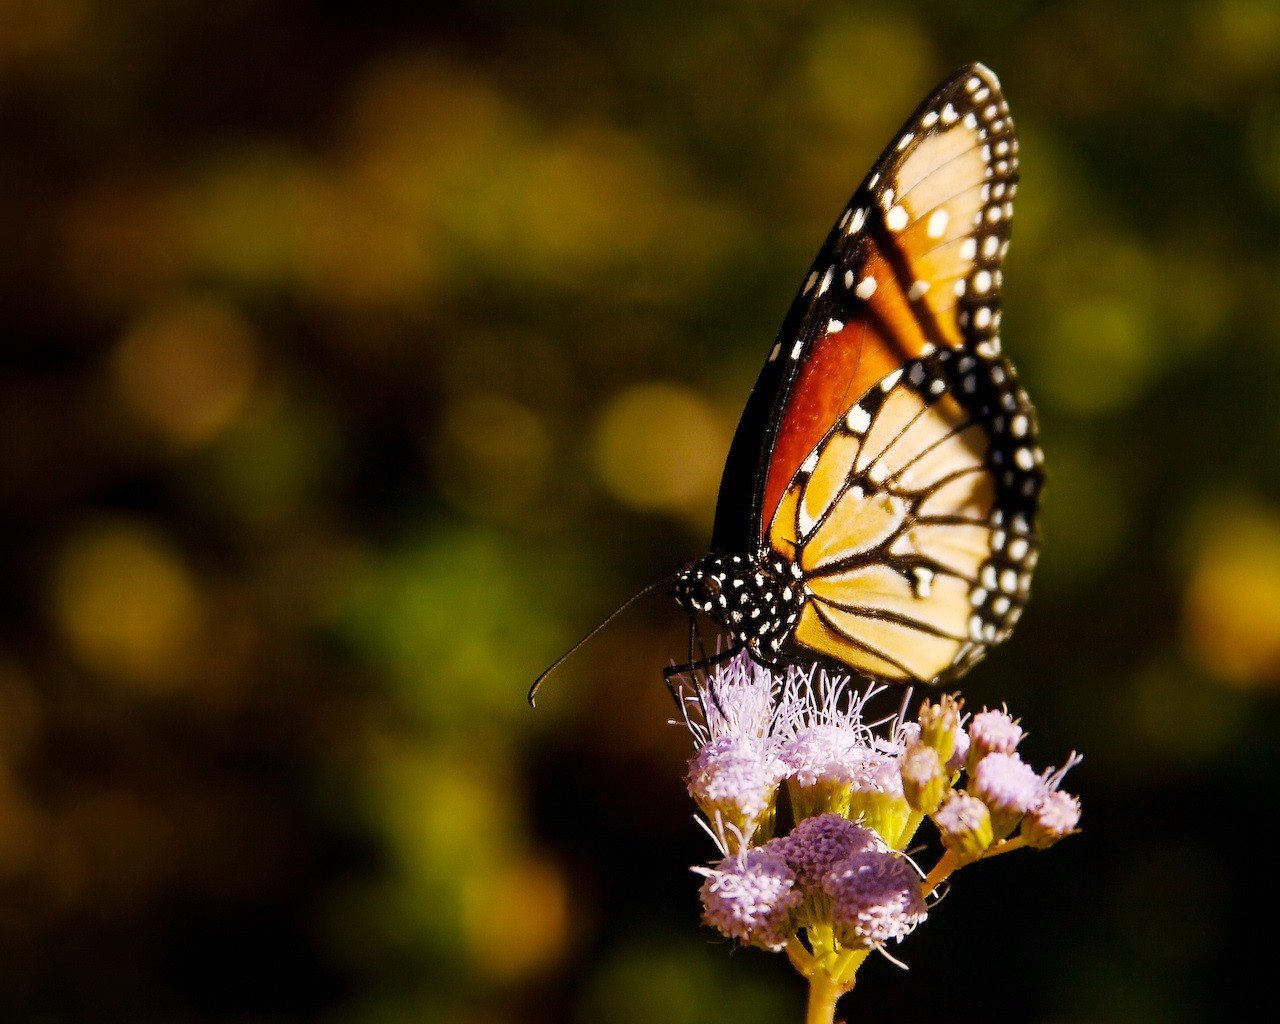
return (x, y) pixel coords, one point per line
(533, 690)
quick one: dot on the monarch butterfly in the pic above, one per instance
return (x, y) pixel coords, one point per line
(877, 508)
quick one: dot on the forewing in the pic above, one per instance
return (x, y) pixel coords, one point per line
(912, 266)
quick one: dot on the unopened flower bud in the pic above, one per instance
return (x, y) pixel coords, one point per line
(939, 724)
(924, 778)
(964, 823)
(961, 754)
(1055, 816)
(992, 732)
(1009, 788)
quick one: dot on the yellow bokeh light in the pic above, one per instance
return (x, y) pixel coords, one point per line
(661, 447)
(1232, 604)
(516, 917)
(128, 607)
(187, 369)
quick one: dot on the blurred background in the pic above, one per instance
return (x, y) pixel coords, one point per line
(353, 364)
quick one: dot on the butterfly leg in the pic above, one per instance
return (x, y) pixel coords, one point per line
(672, 672)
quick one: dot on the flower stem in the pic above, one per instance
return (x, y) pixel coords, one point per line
(947, 863)
(823, 995)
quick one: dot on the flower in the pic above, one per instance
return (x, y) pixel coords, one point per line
(830, 755)
(1008, 786)
(751, 896)
(875, 897)
(836, 886)
(1056, 814)
(734, 780)
(876, 797)
(924, 778)
(817, 844)
(1054, 817)
(739, 699)
(964, 823)
(940, 724)
(992, 732)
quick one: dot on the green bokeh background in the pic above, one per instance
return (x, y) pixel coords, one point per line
(353, 363)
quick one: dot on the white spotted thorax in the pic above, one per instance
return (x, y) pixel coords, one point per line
(757, 599)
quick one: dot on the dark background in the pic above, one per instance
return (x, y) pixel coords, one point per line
(353, 364)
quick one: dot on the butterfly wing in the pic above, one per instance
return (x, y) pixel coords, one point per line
(887, 448)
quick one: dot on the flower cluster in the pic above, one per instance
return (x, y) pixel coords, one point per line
(813, 806)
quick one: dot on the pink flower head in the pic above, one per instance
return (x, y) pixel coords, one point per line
(1009, 788)
(1055, 816)
(819, 753)
(875, 773)
(751, 897)
(961, 752)
(875, 897)
(993, 732)
(735, 777)
(817, 844)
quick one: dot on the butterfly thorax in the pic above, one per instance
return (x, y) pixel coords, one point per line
(756, 598)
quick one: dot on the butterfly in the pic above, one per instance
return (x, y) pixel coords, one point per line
(878, 504)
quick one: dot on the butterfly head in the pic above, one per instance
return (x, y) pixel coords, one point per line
(754, 599)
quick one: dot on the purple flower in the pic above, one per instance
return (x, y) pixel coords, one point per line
(751, 897)
(819, 753)
(1055, 816)
(817, 844)
(735, 778)
(992, 732)
(876, 773)
(1009, 788)
(875, 897)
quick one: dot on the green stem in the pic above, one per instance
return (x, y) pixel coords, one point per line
(909, 830)
(823, 995)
